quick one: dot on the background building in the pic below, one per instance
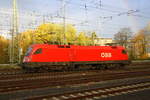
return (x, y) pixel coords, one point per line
(102, 41)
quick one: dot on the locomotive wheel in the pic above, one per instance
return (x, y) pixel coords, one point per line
(77, 67)
(118, 66)
(121, 66)
(103, 67)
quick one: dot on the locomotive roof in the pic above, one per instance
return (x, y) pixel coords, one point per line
(72, 46)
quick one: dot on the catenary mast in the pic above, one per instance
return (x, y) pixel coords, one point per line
(14, 41)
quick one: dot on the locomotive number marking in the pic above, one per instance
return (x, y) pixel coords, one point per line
(106, 55)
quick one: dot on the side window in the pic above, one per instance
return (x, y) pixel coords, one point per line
(38, 51)
(67, 46)
(61, 46)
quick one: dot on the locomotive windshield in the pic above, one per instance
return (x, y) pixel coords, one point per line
(28, 52)
(38, 51)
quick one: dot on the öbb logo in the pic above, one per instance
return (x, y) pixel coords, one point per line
(104, 55)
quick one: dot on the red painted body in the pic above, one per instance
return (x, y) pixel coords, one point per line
(72, 53)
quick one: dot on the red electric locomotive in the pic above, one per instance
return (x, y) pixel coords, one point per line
(72, 56)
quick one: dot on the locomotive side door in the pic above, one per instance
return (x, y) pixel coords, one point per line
(72, 54)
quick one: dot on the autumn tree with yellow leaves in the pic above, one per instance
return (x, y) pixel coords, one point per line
(52, 33)
(4, 51)
(141, 42)
(82, 39)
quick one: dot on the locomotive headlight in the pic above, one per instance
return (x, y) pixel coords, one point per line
(26, 59)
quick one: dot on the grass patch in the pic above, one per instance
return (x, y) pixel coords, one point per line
(9, 66)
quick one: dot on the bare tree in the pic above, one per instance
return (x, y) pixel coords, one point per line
(123, 36)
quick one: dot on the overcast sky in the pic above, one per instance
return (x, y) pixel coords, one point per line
(105, 17)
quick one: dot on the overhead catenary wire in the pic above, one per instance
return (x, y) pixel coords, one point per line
(97, 4)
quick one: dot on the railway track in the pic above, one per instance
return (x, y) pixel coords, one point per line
(98, 93)
(30, 76)
(20, 82)
(21, 76)
(30, 83)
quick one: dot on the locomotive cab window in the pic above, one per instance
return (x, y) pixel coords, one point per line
(124, 52)
(38, 51)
